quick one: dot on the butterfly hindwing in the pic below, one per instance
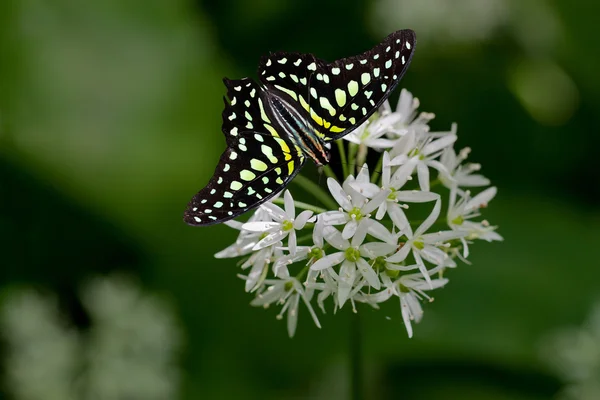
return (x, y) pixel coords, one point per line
(254, 168)
(341, 95)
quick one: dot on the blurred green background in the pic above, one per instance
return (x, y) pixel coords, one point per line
(110, 114)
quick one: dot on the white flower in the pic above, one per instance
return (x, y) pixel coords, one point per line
(246, 240)
(460, 174)
(259, 261)
(355, 208)
(371, 133)
(425, 148)
(426, 245)
(410, 289)
(284, 223)
(406, 110)
(351, 260)
(312, 253)
(461, 212)
(392, 184)
(287, 292)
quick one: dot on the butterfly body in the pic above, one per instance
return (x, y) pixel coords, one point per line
(303, 104)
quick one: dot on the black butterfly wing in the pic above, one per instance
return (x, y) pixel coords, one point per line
(256, 165)
(341, 95)
(243, 110)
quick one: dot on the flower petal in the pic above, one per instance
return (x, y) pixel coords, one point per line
(399, 219)
(290, 209)
(367, 272)
(361, 232)
(292, 314)
(328, 261)
(416, 196)
(430, 220)
(260, 226)
(273, 211)
(367, 189)
(346, 281)
(377, 249)
(302, 218)
(481, 200)
(375, 202)
(269, 240)
(379, 231)
(401, 254)
(403, 173)
(350, 229)
(335, 238)
(423, 174)
(338, 194)
(333, 218)
(318, 230)
(292, 242)
(441, 143)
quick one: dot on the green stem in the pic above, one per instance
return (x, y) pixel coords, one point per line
(343, 159)
(316, 191)
(302, 273)
(329, 172)
(356, 358)
(378, 171)
(352, 150)
(302, 205)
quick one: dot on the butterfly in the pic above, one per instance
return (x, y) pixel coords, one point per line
(299, 107)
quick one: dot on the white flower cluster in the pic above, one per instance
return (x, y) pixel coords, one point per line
(373, 246)
(574, 354)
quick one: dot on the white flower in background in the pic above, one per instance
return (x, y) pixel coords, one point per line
(287, 292)
(283, 223)
(459, 174)
(351, 261)
(369, 244)
(355, 209)
(574, 354)
(129, 351)
(426, 246)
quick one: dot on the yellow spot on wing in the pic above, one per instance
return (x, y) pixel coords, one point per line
(290, 167)
(272, 130)
(283, 144)
(263, 114)
(336, 129)
(288, 91)
(317, 119)
(304, 103)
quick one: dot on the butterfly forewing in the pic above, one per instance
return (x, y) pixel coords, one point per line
(341, 95)
(243, 110)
